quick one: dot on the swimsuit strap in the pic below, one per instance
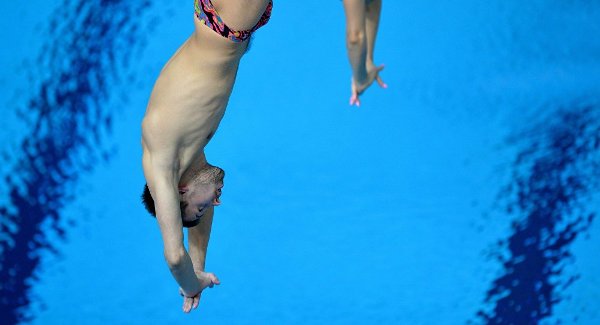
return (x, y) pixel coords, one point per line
(207, 14)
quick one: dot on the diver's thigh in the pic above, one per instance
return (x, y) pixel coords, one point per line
(355, 14)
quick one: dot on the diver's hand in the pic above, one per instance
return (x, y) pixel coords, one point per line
(190, 303)
(357, 88)
(207, 280)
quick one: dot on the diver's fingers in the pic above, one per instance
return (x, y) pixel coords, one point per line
(214, 278)
(187, 304)
(209, 280)
(196, 302)
(380, 68)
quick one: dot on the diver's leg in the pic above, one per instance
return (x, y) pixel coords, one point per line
(356, 38)
(371, 26)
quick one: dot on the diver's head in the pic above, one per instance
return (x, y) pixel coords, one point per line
(201, 193)
(196, 197)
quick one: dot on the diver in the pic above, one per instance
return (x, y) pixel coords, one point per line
(185, 108)
(362, 22)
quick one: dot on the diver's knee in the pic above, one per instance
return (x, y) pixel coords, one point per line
(355, 36)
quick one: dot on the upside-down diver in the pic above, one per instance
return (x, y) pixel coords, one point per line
(185, 108)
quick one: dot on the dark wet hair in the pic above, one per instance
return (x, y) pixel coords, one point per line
(207, 175)
(148, 202)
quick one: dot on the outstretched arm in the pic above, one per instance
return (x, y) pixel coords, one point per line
(198, 238)
(166, 197)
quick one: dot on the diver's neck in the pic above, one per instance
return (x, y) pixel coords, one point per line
(197, 164)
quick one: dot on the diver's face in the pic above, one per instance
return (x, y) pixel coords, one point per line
(197, 199)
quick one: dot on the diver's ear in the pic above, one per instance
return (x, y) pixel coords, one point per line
(216, 200)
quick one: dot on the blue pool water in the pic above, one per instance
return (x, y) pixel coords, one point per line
(467, 192)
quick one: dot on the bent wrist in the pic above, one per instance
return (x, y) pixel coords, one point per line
(192, 293)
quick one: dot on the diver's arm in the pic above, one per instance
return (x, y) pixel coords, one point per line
(168, 213)
(198, 238)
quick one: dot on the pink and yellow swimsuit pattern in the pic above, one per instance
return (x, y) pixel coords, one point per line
(207, 14)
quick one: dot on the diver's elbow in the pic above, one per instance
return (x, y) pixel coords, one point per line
(175, 258)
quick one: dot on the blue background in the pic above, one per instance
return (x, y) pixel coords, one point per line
(416, 208)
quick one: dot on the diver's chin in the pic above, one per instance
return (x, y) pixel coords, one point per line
(190, 224)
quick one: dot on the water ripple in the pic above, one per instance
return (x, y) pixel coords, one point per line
(88, 47)
(553, 180)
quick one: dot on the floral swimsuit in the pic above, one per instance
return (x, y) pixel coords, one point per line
(207, 14)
